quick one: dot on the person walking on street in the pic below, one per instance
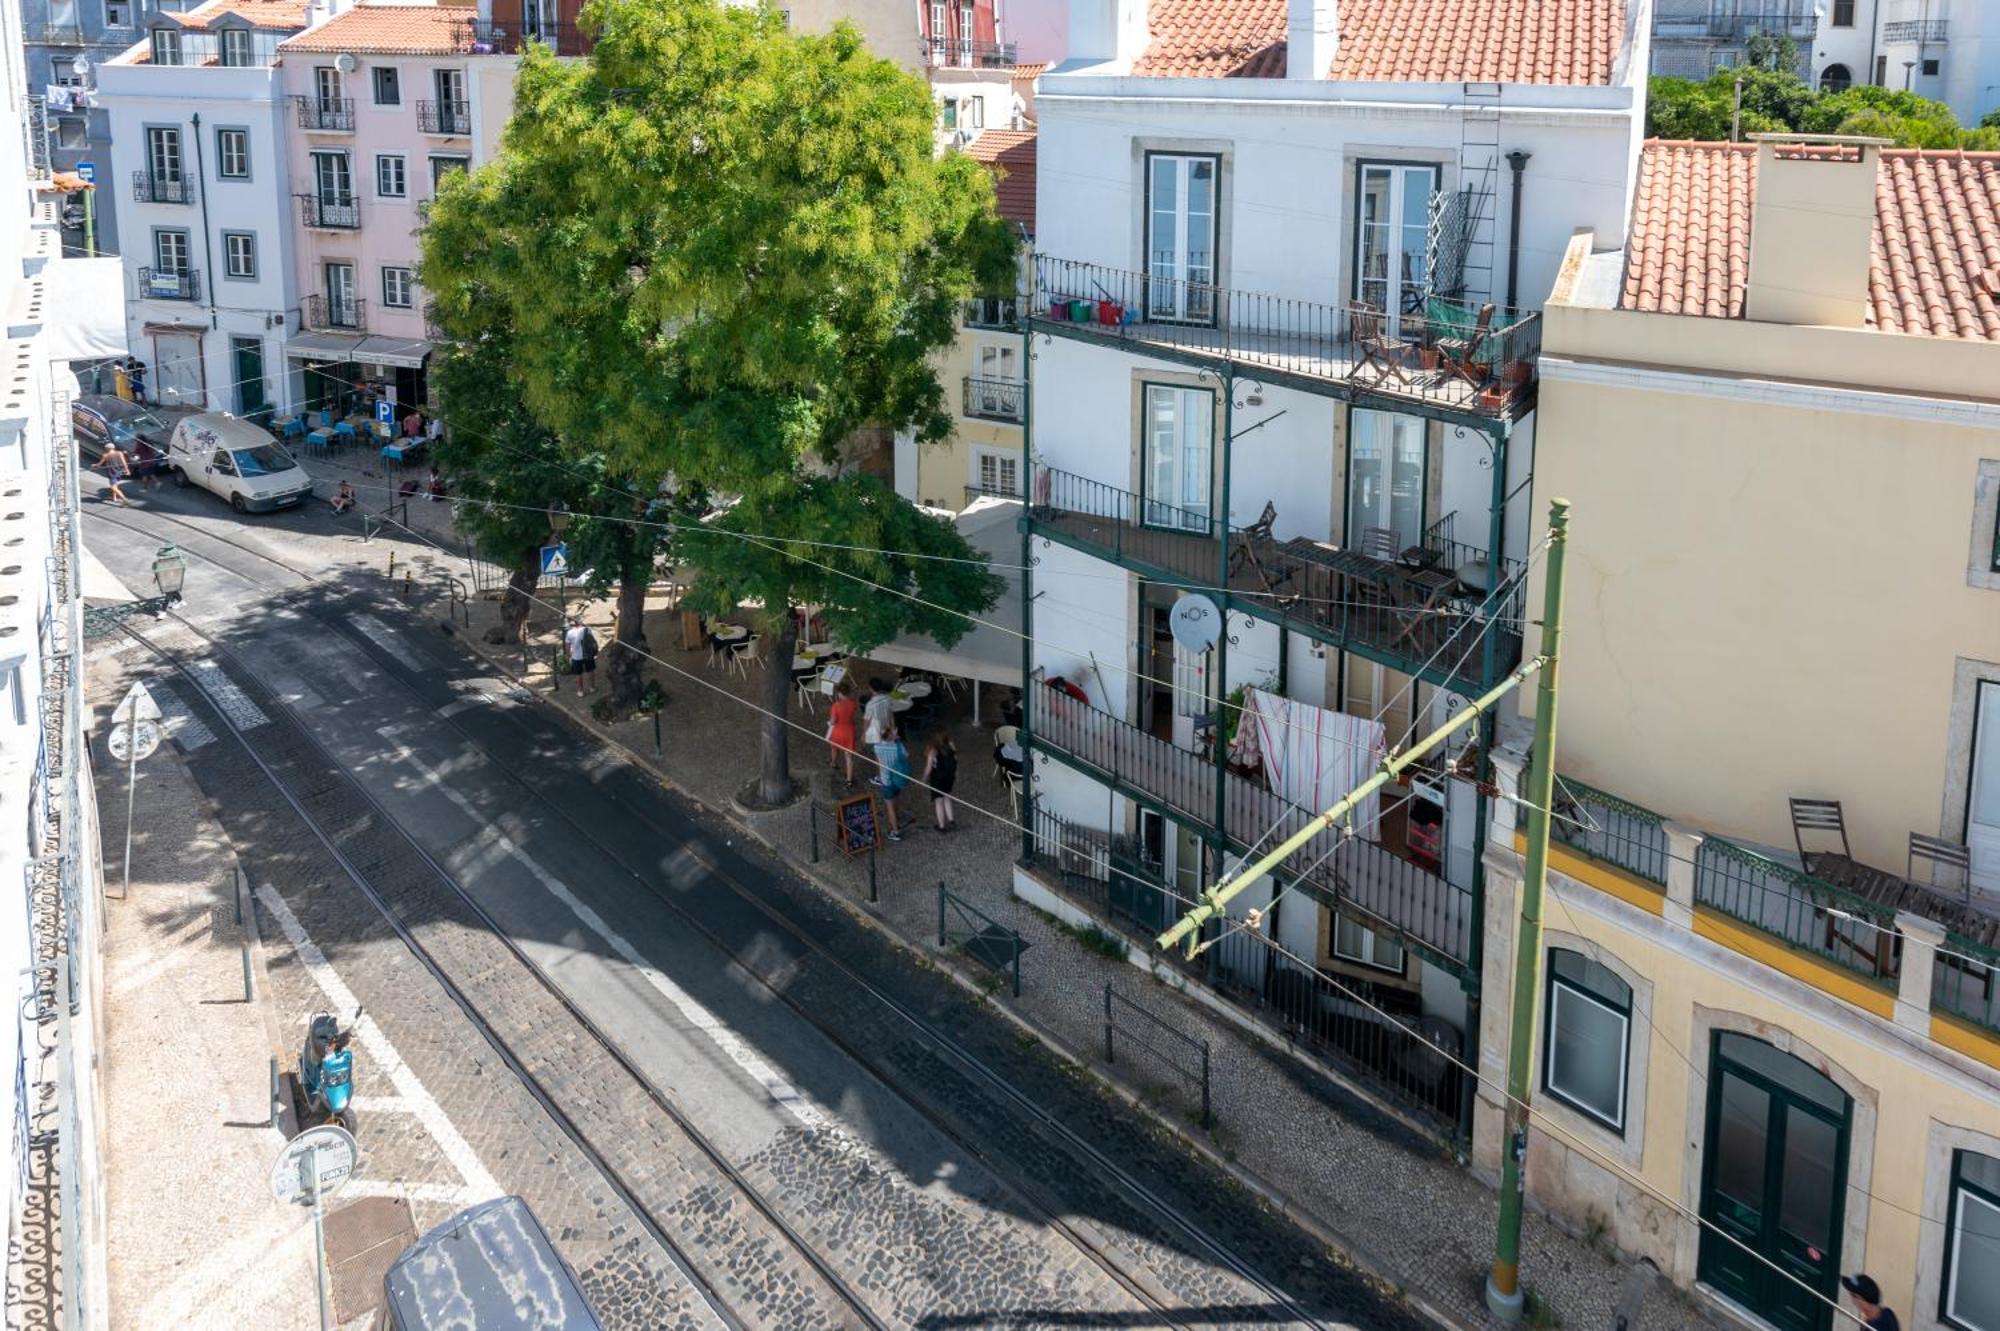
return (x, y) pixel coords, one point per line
(582, 645)
(116, 468)
(895, 778)
(146, 461)
(137, 374)
(940, 774)
(843, 731)
(880, 715)
(1867, 1296)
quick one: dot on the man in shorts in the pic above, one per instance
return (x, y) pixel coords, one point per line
(582, 645)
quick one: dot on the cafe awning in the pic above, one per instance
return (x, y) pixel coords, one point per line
(408, 353)
(991, 651)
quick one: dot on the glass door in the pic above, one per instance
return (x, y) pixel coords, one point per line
(1385, 481)
(1180, 238)
(326, 83)
(1392, 239)
(340, 306)
(452, 109)
(163, 155)
(1179, 470)
(1773, 1178)
(332, 180)
(1982, 814)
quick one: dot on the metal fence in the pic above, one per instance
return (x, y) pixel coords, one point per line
(1178, 1052)
(1797, 908)
(972, 931)
(1962, 981)
(1611, 830)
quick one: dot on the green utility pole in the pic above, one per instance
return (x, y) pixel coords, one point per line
(90, 222)
(1503, 1286)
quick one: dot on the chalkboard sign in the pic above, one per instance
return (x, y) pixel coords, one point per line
(854, 825)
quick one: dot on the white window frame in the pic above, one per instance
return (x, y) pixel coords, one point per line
(1964, 1191)
(1400, 278)
(408, 284)
(1182, 244)
(1189, 405)
(1001, 461)
(236, 48)
(223, 136)
(1373, 944)
(167, 46)
(230, 251)
(401, 164)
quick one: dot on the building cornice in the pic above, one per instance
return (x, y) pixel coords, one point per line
(1973, 413)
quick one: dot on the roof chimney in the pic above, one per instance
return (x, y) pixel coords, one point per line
(1812, 224)
(1312, 34)
(1107, 31)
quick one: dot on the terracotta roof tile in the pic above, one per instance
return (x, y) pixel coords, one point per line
(261, 13)
(1935, 265)
(1012, 153)
(1029, 73)
(1432, 41)
(391, 30)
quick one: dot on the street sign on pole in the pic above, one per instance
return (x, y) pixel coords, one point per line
(313, 1166)
(555, 560)
(136, 705)
(87, 172)
(134, 740)
(385, 411)
(135, 733)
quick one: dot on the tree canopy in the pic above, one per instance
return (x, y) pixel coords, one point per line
(1776, 100)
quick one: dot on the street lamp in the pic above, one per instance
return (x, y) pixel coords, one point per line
(558, 519)
(81, 68)
(169, 574)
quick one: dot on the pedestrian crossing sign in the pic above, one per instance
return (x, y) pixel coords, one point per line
(555, 560)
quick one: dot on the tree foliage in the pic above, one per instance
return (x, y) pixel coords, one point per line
(1776, 100)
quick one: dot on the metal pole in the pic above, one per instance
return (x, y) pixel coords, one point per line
(1503, 1286)
(131, 791)
(319, 1243)
(90, 222)
(872, 897)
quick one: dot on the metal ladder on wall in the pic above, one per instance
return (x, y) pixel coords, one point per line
(1478, 180)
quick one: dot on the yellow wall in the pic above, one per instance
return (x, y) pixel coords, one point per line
(1764, 599)
(944, 470)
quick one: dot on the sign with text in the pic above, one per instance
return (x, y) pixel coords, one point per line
(855, 827)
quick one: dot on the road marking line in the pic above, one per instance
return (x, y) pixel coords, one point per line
(178, 720)
(380, 1104)
(699, 1017)
(380, 634)
(416, 1099)
(233, 701)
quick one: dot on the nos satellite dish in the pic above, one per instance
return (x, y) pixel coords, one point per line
(344, 63)
(1196, 623)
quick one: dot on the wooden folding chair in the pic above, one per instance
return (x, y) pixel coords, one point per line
(1243, 550)
(1460, 354)
(1378, 347)
(1939, 854)
(1818, 816)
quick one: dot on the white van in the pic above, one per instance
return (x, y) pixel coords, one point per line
(235, 459)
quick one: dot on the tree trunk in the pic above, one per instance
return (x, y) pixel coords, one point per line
(774, 779)
(519, 600)
(624, 665)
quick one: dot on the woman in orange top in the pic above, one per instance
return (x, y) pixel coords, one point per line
(843, 732)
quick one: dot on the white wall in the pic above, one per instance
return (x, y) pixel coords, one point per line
(1083, 608)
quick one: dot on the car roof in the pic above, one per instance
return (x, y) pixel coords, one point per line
(114, 408)
(218, 429)
(488, 1268)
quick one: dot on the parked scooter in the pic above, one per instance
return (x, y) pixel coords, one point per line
(326, 1072)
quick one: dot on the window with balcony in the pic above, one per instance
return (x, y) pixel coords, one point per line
(996, 473)
(1392, 237)
(326, 87)
(170, 251)
(232, 154)
(1588, 1038)
(388, 90)
(391, 176)
(1363, 946)
(396, 288)
(1385, 479)
(1177, 477)
(1971, 1295)
(239, 255)
(1181, 236)
(166, 46)
(343, 310)
(163, 158)
(235, 48)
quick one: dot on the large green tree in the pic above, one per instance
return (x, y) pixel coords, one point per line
(1777, 100)
(725, 248)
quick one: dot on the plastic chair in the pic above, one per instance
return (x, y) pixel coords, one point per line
(744, 651)
(807, 682)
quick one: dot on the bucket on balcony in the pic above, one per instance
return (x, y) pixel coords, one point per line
(1082, 311)
(1110, 313)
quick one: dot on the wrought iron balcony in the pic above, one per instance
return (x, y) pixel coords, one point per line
(951, 53)
(1915, 30)
(1431, 610)
(1364, 875)
(169, 284)
(992, 399)
(35, 130)
(149, 188)
(506, 37)
(1477, 362)
(326, 115)
(1731, 27)
(329, 214)
(447, 119)
(349, 315)
(49, 33)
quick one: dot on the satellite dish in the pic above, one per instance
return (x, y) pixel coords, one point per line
(344, 63)
(1196, 623)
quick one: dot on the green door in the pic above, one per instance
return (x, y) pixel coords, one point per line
(248, 353)
(1773, 1182)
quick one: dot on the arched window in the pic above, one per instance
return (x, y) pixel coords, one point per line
(1972, 1256)
(1589, 1034)
(1834, 78)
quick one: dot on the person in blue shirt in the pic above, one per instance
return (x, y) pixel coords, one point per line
(895, 776)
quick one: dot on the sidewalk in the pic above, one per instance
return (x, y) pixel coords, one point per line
(1376, 1187)
(194, 1236)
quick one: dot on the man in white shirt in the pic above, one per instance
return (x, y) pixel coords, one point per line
(582, 646)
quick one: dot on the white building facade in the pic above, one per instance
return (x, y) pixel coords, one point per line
(1277, 361)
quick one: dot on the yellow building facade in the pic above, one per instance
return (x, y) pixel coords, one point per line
(1768, 1048)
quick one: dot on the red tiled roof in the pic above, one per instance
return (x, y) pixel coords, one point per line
(391, 30)
(1400, 41)
(261, 13)
(1029, 73)
(1012, 153)
(1934, 268)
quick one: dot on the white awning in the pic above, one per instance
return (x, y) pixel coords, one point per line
(991, 651)
(323, 346)
(409, 353)
(91, 295)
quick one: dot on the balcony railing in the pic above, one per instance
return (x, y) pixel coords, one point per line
(35, 128)
(1440, 352)
(329, 214)
(951, 53)
(449, 119)
(509, 38)
(1915, 30)
(1736, 27)
(992, 312)
(1361, 874)
(47, 33)
(149, 188)
(993, 399)
(326, 115)
(345, 315)
(1611, 830)
(169, 284)
(1429, 610)
(1806, 912)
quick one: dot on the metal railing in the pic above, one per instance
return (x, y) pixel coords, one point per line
(973, 492)
(972, 931)
(1432, 352)
(511, 38)
(318, 311)
(149, 188)
(451, 119)
(1611, 830)
(1415, 610)
(1916, 30)
(170, 284)
(1962, 981)
(1797, 908)
(326, 115)
(329, 214)
(993, 399)
(1184, 1055)
(47, 33)
(954, 53)
(992, 312)
(35, 126)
